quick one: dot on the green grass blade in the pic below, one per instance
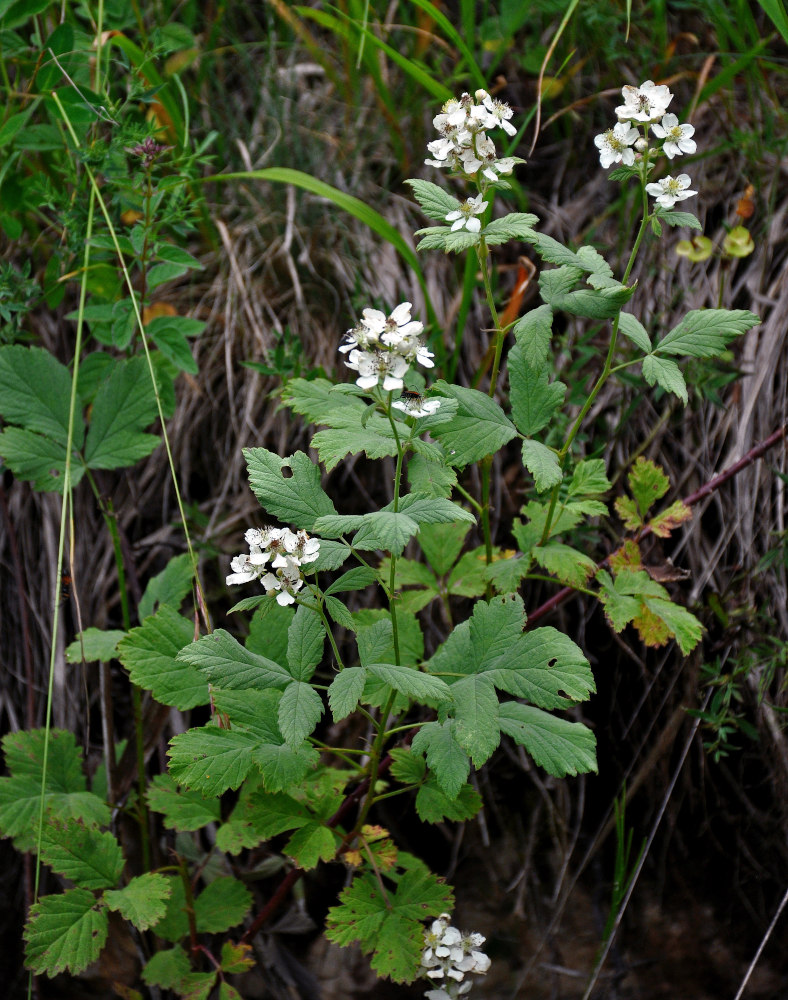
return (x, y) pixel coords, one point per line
(775, 11)
(454, 37)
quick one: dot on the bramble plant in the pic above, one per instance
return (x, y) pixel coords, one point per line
(429, 715)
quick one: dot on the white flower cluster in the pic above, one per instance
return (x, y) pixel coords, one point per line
(385, 347)
(464, 144)
(450, 956)
(648, 104)
(287, 550)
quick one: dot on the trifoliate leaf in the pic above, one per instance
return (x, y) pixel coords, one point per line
(312, 843)
(560, 747)
(386, 922)
(169, 587)
(534, 399)
(211, 760)
(124, 405)
(572, 567)
(300, 709)
(223, 661)
(542, 462)
(445, 757)
(433, 805)
(297, 498)
(143, 901)
(221, 905)
(665, 373)
(90, 859)
(94, 644)
(435, 202)
(35, 390)
(704, 333)
(479, 428)
(634, 330)
(305, 639)
(183, 810)
(64, 933)
(413, 683)
(532, 333)
(65, 789)
(345, 691)
(475, 711)
(150, 654)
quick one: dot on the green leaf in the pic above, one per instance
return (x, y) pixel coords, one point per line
(175, 347)
(284, 766)
(340, 614)
(299, 712)
(542, 462)
(38, 459)
(506, 573)
(385, 530)
(345, 691)
(305, 640)
(683, 625)
(211, 760)
(431, 478)
(445, 756)
(634, 330)
(589, 478)
(386, 923)
(298, 498)
(167, 968)
(446, 239)
(432, 510)
(435, 202)
(560, 747)
(94, 644)
(407, 767)
(168, 587)
(64, 933)
(123, 406)
(413, 683)
(221, 905)
(551, 250)
(475, 711)
(572, 567)
(349, 437)
(433, 805)
(479, 428)
(534, 400)
(268, 630)
(704, 333)
(160, 274)
(65, 789)
(546, 668)
(468, 579)
(91, 859)
(177, 255)
(358, 578)
(648, 484)
(442, 544)
(674, 218)
(150, 653)
(143, 901)
(237, 958)
(600, 303)
(35, 390)
(665, 373)
(311, 844)
(532, 333)
(183, 810)
(223, 661)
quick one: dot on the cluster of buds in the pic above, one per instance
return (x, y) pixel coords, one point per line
(384, 347)
(464, 145)
(449, 956)
(148, 151)
(281, 550)
(647, 106)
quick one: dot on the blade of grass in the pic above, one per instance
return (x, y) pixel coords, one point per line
(775, 11)
(455, 38)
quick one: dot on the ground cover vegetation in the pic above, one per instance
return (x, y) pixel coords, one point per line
(465, 325)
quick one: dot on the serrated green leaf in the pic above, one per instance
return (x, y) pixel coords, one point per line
(65, 789)
(222, 660)
(560, 747)
(551, 250)
(494, 628)
(305, 640)
(284, 766)
(505, 574)
(150, 653)
(340, 614)
(442, 544)
(124, 405)
(634, 330)
(35, 390)
(468, 578)
(221, 905)
(514, 226)
(435, 202)
(648, 484)
(589, 478)
(407, 767)
(533, 333)
(237, 958)
(143, 901)
(413, 683)
(94, 644)
(665, 373)
(298, 498)
(432, 510)
(175, 348)
(345, 691)
(433, 805)
(534, 400)
(300, 709)
(319, 400)
(542, 462)
(311, 844)
(167, 968)
(211, 760)
(385, 530)
(557, 289)
(572, 567)
(85, 856)
(704, 333)
(268, 631)
(182, 809)
(546, 668)
(674, 218)
(475, 711)
(445, 756)
(64, 933)
(479, 428)
(168, 587)
(40, 460)
(358, 578)
(255, 712)
(350, 437)
(683, 625)
(432, 478)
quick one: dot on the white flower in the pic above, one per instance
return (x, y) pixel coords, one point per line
(492, 113)
(415, 405)
(285, 583)
(243, 571)
(677, 137)
(644, 103)
(372, 365)
(614, 145)
(466, 215)
(670, 190)
(286, 549)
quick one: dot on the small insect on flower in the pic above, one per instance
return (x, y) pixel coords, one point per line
(411, 396)
(415, 405)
